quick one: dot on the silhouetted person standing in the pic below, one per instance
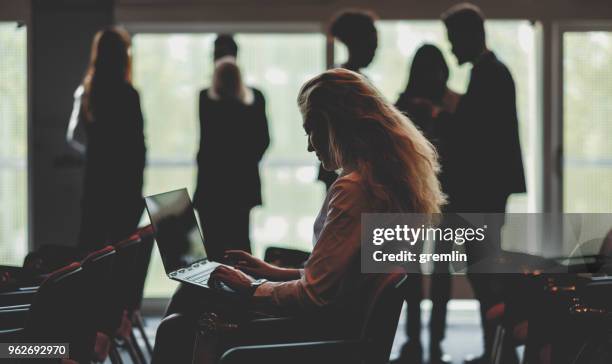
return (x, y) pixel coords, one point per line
(112, 201)
(486, 160)
(233, 138)
(356, 30)
(428, 101)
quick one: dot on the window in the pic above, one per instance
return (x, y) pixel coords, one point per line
(587, 150)
(13, 144)
(169, 71)
(512, 41)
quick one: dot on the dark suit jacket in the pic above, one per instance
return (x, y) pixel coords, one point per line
(233, 139)
(485, 162)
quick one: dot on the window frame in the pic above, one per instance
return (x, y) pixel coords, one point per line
(22, 18)
(554, 155)
(135, 28)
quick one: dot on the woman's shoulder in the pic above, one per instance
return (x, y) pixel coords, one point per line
(207, 94)
(349, 179)
(256, 93)
(347, 190)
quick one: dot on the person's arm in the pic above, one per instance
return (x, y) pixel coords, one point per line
(260, 269)
(75, 134)
(262, 133)
(134, 126)
(202, 105)
(331, 263)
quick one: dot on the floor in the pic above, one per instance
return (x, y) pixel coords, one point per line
(463, 336)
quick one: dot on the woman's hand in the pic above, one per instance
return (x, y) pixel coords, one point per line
(234, 279)
(258, 268)
(249, 264)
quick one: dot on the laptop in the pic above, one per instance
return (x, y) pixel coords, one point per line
(179, 239)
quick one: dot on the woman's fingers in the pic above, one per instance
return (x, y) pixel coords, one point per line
(246, 269)
(221, 272)
(237, 254)
(233, 278)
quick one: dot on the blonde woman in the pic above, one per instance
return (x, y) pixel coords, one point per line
(387, 166)
(234, 137)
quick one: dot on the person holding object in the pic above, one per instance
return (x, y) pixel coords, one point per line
(387, 166)
(233, 139)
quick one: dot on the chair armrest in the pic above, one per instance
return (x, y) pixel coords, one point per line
(12, 317)
(307, 328)
(11, 335)
(12, 308)
(344, 351)
(8, 335)
(21, 295)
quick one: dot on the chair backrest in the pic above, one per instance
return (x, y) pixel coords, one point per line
(383, 308)
(56, 314)
(141, 267)
(121, 282)
(98, 267)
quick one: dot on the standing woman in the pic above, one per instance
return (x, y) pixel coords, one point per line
(427, 95)
(112, 201)
(234, 137)
(356, 30)
(429, 102)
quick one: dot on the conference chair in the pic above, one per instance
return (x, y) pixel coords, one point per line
(373, 344)
(98, 267)
(141, 268)
(56, 313)
(135, 291)
(117, 323)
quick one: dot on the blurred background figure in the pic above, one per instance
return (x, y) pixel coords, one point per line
(233, 138)
(109, 112)
(486, 134)
(429, 103)
(225, 45)
(357, 31)
(427, 95)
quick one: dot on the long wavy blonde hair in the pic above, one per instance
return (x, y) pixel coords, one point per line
(367, 134)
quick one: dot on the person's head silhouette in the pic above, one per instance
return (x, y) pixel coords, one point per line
(225, 46)
(109, 65)
(465, 26)
(227, 80)
(110, 55)
(428, 74)
(356, 30)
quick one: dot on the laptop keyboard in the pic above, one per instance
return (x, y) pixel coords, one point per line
(200, 274)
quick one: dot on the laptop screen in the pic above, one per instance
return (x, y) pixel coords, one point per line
(177, 233)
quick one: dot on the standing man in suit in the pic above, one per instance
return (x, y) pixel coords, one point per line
(486, 163)
(356, 29)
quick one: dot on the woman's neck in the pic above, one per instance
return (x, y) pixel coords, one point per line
(350, 65)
